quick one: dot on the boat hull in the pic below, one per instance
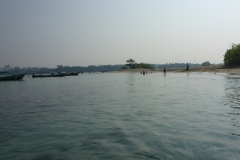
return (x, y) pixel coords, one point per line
(12, 77)
(72, 74)
(45, 76)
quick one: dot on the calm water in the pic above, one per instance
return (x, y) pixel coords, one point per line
(121, 116)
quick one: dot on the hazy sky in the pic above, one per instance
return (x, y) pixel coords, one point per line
(91, 32)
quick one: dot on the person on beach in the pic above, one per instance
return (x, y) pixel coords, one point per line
(187, 67)
(164, 70)
(143, 73)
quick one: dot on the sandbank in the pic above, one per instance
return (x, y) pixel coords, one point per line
(213, 69)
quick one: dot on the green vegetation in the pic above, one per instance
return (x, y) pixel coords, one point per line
(131, 63)
(207, 63)
(144, 65)
(232, 56)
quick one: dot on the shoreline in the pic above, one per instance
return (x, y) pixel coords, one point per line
(211, 69)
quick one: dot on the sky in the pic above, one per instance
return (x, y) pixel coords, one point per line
(47, 33)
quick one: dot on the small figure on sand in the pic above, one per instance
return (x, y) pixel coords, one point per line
(187, 68)
(143, 72)
(164, 70)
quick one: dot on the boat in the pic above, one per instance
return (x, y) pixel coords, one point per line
(72, 74)
(4, 76)
(48, 75)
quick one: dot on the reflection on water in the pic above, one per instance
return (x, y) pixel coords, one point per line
(121, 116)
(130, 81)
(232, 91)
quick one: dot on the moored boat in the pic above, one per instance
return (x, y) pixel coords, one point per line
(48, 75)
(4, 76)
(72, 74)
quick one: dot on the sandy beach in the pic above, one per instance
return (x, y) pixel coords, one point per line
(213, 69)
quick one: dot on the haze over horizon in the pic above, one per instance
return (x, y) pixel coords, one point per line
(92, 32)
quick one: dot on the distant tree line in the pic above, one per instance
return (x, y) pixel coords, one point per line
(206, 63)
(97, 68)
(90, 68)
(174, 65)
(132, 65)
(144, 65)
(61, 68)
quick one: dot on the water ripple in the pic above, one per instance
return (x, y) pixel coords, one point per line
(121, 116)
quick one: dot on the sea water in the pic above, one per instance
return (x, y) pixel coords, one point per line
(103, 116)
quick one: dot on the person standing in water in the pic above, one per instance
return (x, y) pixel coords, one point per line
(187, 67)
(164, 70)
